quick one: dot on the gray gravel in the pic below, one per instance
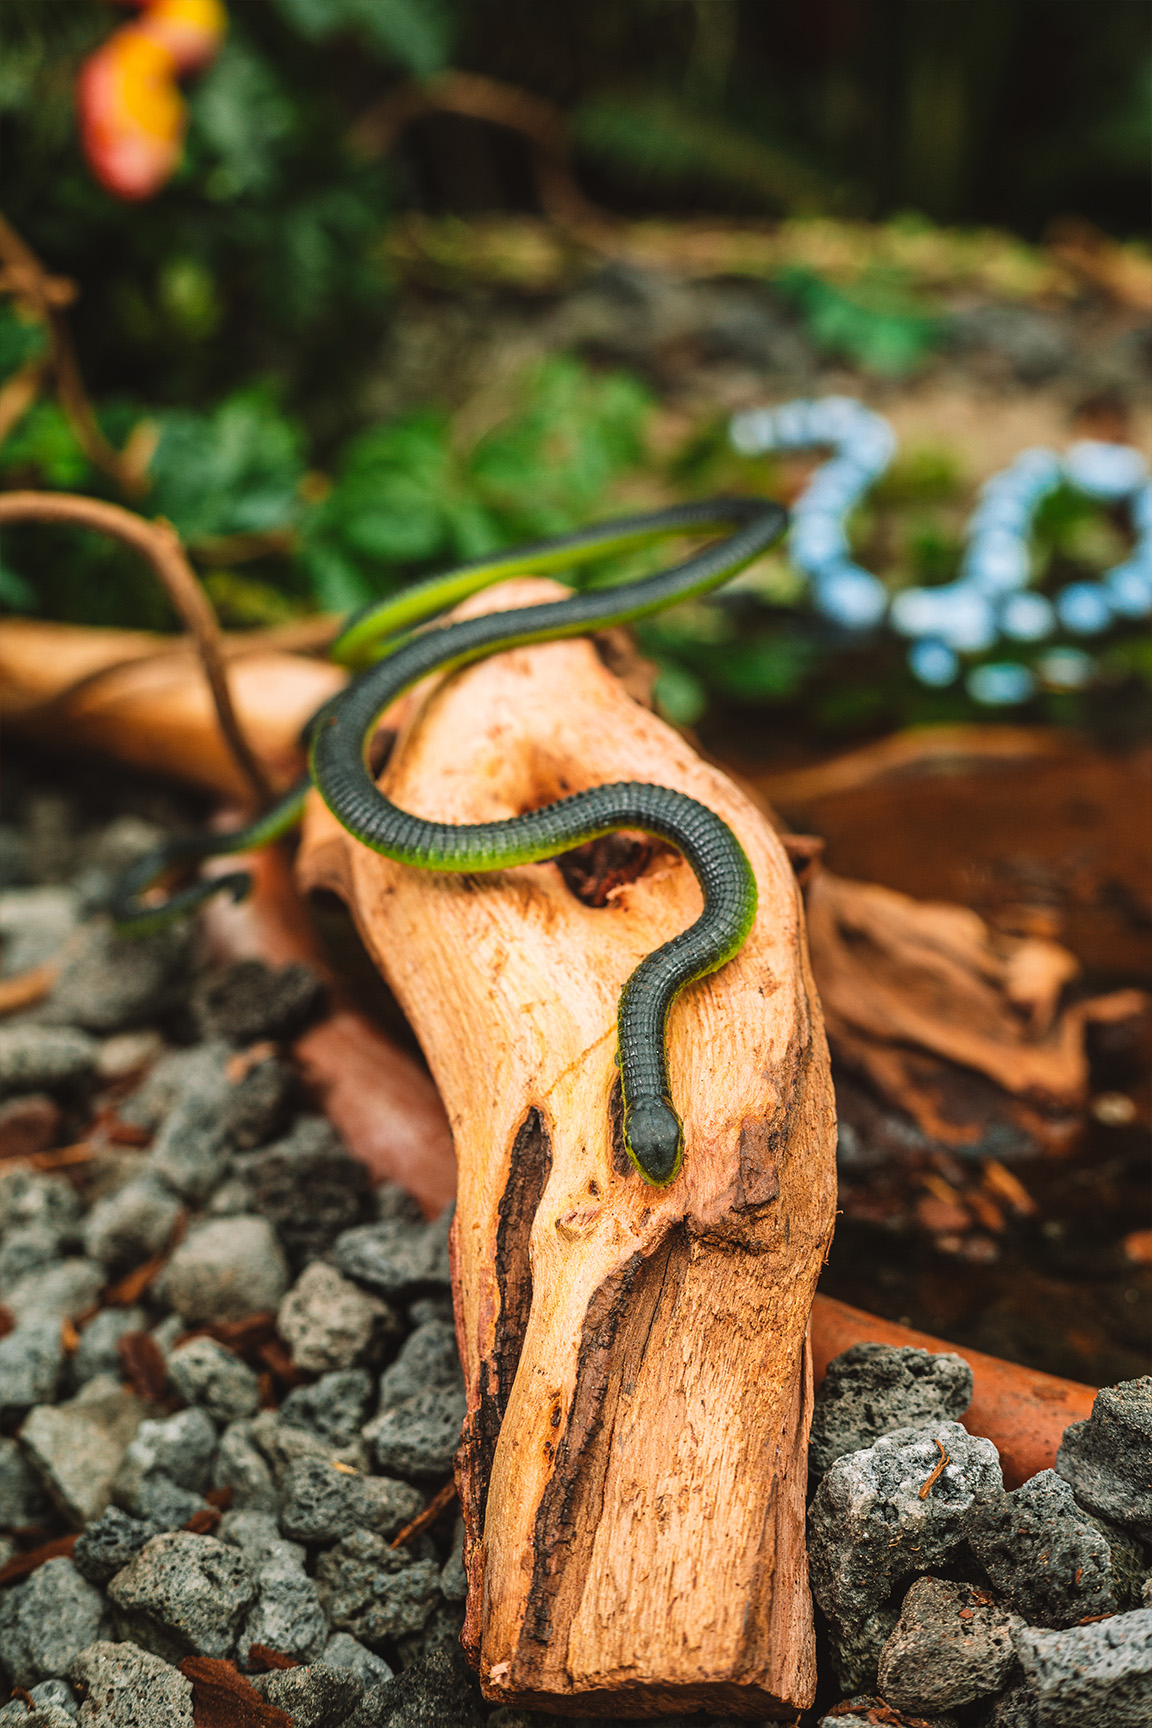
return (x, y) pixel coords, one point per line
(329, 1323)
(395, 1258)
(131, 1224)
(376, 1592)
(31, 1361)
(183, 1595)
(22, 1496)
(62, 1291)
(315, 1697)
(310, 1187)
(226, 1270)
(334, 1408)
(78, 1447)
(1096, 1676)
(109, 983)
(1052, 1564)
(242, 1467)
(344, 1651)
(109, 1543)
(320, 1503)
(287, 1617)
(45, 1058)
(419, 1436)
(868, 1526)
(1108, 1458)
(99, 1351)
(205, 1373)
(46, 1621)
(126, 1687)
(190, 1152)
(873, 1389)
(952, 1644)
(248, 1001)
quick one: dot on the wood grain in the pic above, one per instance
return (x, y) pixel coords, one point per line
(633, 1466)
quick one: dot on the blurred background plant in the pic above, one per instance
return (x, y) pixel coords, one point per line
(431, 277)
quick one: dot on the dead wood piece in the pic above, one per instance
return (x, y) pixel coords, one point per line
(632, 1472)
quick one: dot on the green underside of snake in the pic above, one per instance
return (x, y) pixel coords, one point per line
(383, 640)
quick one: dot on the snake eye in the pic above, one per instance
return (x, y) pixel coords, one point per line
(654, 1139)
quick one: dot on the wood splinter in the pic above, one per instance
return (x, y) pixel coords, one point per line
(632, 1472)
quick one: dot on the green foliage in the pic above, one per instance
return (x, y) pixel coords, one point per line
(417, 34)
(41, 450)
(406, 494)
(21, 340)
(658, 140)
(877, 323)
(235, 470)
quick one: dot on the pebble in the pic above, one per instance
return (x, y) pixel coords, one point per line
(858, 1712)
(227, 1269)
(419, 1436)
(314, 1697)
(334, 1408)
(396, 1258)
(180, 1447)
(1040, 1551)
(374, 1591)
(184, 1595)
(242, 1467)
(31, 1360)
(1090, 1676)
(108, 1543)
(437, 1691)
(176, 1075)
(190, 1151)
(428, 1358)
(47, 1621)
(1107, 1459)
(30, 1249)
(132, 1224)
(77, 1448)
(310, 1187)
(344, 1651)
(61, 1291)
(110, 983)
(125, 1687)
(126, 1055)
(869, 1526)
(22, 1496)
(32, 1197)
(872, 1389)
(330, 1323)
(247, 1001)
(15, 1715)
(287, 1616)
(282, 1444)
(321, 1503)
(259, 1106)
(99, 1349)
(37, 1058)
(441, 1632)
(953, 1643)
(204, 1373)
(35, 923)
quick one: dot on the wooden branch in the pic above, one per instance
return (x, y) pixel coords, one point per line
(142, 697)
(159, 544)
(633, 1467)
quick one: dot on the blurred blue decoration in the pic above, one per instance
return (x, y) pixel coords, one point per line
(817, 541)
(990, 601)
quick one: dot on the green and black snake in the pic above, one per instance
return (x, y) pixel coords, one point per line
(340, 736)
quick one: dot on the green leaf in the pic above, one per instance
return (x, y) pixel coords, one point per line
(416, 33)
(21, 339)
(235, 470)
(43, 441)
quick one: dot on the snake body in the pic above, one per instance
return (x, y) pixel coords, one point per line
(341, 735)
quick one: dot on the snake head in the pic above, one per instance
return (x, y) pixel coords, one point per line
(654, 1139)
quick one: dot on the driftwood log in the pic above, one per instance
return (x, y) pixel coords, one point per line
(633, 1467)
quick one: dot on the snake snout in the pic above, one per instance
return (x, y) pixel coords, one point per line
(654, 1139)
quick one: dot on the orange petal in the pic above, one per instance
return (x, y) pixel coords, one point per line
(132, 114)
(191, 30)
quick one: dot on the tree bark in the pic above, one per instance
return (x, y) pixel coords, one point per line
(633, 1466)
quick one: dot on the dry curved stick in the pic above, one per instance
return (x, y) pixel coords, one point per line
(46, 296)
(159, 543)
(476, 97)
